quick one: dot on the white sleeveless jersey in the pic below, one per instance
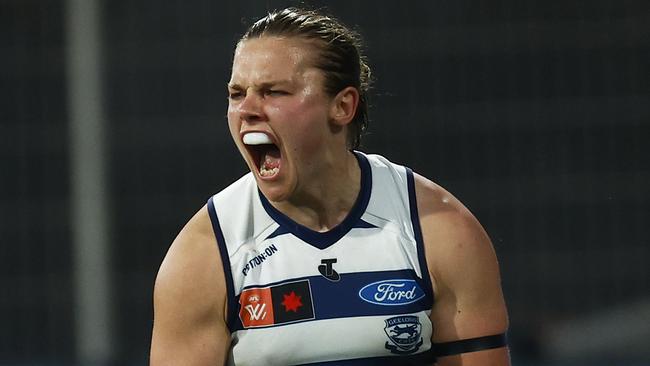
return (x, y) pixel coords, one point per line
(359, 294)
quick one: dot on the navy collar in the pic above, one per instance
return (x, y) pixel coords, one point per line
(322, 240)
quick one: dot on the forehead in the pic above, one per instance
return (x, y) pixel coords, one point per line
(266, 58)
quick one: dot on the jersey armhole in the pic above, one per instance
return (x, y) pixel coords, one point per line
(417, 232)
(225, 260)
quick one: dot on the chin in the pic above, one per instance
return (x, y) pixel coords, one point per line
(274, 191)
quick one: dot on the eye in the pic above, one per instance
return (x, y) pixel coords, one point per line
(235, 95)
(275, 92)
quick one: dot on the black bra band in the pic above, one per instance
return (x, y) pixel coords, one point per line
(470, 345)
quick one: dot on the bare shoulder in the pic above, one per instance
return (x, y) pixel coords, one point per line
(190, 299)
(192, 254)
(453, 230)
(192, 266)
(462, 265)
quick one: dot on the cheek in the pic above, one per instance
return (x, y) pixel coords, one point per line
(233, 122)
(305, 117)
(305, 138)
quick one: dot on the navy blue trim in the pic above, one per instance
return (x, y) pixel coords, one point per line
(233, 306)
(326, 239)
(470, 345)
(417, 231)
(360, 224)
(424, 358)
(342, 299)
(281, 230)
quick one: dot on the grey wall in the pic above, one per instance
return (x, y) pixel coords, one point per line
(535, 114)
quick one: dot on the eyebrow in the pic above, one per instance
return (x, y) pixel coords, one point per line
(264, 85)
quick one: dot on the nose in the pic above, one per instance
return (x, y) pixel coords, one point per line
(250, 109)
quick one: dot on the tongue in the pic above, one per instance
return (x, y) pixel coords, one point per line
(270, 158)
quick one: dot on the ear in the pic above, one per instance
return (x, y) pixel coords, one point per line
(344, 106)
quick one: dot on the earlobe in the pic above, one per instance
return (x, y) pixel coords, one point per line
(344, 106)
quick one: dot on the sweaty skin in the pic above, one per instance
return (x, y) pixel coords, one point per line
(274, 89)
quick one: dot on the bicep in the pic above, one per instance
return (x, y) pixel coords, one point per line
(175, 342)
(469, 307)
(469, 300)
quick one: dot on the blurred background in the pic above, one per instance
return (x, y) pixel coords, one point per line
(535, 114)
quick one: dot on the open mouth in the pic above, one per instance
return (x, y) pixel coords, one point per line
(265, 154)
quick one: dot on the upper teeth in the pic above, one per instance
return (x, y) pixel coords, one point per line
(257, 138)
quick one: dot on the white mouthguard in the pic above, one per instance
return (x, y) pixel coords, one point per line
(257, 138)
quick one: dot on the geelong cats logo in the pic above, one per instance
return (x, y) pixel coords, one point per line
(404, 333)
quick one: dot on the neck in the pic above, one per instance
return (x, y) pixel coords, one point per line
(330, 196)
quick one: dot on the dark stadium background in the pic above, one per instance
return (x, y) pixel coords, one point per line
(536, 114)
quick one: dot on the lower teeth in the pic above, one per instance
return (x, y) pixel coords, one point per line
(265, 173)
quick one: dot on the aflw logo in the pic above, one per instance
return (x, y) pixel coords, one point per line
(256, 307)
(257, 312)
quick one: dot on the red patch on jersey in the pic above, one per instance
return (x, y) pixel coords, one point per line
(256, 307)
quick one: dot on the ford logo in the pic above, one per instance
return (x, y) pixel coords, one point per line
(391, 292)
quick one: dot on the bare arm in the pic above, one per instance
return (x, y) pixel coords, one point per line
(465, 276)
(190, 300)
